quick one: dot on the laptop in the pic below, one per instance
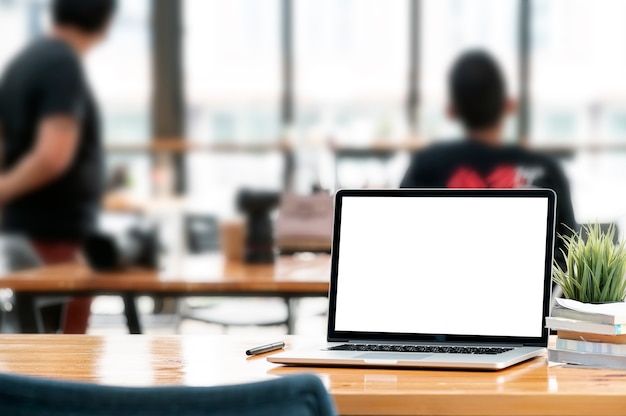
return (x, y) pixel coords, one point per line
(437, 278)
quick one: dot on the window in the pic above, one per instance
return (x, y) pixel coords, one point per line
(578, 97)
(578, 90)
(232, 69)
(233, 88)
(351, 68)
(450, 27)
(120, 76)
(119, 72)
(21, 21)
(351, 61)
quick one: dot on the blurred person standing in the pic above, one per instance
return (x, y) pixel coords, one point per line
(477, 93)
(51, 179)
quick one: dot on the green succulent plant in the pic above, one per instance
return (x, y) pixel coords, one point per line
(595, 266)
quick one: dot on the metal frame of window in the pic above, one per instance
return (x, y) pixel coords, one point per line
(524, 40)
(287, 104)
(168, 100)
(413, 97)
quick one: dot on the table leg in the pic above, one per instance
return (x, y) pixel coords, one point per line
(132, 316)
(27, 315)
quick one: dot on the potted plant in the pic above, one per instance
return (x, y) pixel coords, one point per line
(591, 322)
(595, 266)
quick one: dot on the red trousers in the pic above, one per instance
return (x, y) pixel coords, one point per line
(77, 310)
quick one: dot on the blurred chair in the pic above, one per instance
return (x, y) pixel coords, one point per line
(305, 223)
(202, 236)
(302, 394)
(16, 254)
(201, 233)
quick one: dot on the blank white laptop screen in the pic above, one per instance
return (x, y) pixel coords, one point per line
(448, 265)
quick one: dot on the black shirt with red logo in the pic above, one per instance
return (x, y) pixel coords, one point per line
(471, 164)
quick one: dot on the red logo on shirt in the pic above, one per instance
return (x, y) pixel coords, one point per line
(501, 177)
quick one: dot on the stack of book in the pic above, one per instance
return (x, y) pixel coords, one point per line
(589, 335)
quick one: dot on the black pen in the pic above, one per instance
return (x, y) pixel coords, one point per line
(266, 348)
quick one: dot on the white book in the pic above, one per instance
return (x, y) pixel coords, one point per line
(561, 312)
(584, 326)
(594, 347)
(587, 359)
(608, 313)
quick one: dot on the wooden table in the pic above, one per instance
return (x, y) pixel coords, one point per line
(532, 388)
(203, 275)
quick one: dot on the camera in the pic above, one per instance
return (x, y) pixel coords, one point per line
(257, 207)
(137, 246)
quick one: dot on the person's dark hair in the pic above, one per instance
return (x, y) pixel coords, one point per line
(89, 16)
(477, 89)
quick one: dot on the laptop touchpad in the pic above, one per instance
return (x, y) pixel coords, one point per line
(393, 356)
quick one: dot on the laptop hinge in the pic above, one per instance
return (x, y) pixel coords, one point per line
(491, 344)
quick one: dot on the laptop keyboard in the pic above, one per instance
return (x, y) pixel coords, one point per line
(421, 348)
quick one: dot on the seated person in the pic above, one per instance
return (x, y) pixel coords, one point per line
(478, 100)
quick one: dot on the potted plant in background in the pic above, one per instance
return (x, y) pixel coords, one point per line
(591, 320)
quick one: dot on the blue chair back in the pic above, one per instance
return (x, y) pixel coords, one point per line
(302, 394)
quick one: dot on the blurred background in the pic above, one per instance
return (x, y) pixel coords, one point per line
(200, 98)
(345, 86)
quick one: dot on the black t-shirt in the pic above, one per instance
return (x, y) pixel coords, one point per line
(46, 79)
(470, 164)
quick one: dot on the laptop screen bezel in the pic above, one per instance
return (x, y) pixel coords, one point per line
(339, 336)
